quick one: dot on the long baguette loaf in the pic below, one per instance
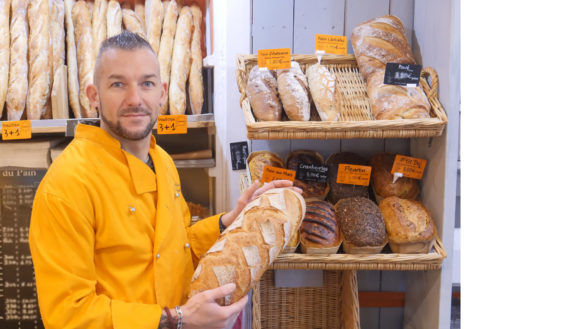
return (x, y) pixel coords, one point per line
(325, 92)
(113, 19)
(57, 36)
(195, 75)
(99, 24)
(140, 12)
(85, 55)
(166, 47)
(132, 22)
(250, 244)
(153, 21)
(180, 62)
(18, 78)
(37, 101)
(72, 75)
(4, 51)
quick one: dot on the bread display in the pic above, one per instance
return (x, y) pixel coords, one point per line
(113, 19)
(180, 62)
(262, 93)
(132, 22)
(153, 10)
(85, 55)
(99, 24)
(39, 73)
(382, 180)
(410, 228)
(319, 232)
(258, 160)
(195, 75)
(250, 244)
(4, 51)
(166, 49)
(390, 102)
(342, 191)
(57, 33)
(361, 224)
(311, 189)
(18, 76)
(72, 74)
(324, 92)
(294, 92)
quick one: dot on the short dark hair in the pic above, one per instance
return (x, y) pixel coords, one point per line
(125, 41)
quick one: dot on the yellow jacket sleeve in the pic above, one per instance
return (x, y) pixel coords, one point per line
(62, 246)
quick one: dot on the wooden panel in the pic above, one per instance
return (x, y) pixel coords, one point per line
(280, 147)
(404, 10)
(397, 145)
(358, 11)
(381, 298)
(393, 281)
(272, 24)
(370, 317)
(363, 147)
(325, 147)
(368, 280)
(311, 17)
(391, 318)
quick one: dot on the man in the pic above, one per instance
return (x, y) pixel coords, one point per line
(109, 233)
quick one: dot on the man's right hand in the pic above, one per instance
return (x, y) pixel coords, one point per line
(202, 311)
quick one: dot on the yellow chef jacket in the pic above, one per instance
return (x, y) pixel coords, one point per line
(110, 239)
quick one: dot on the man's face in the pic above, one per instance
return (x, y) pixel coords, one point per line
(129, 92)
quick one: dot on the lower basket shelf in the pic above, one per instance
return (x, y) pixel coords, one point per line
(333, 305)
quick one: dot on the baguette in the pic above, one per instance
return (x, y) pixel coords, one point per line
(139, 10)
(132, 22)
(18, 77)
(99, 25)
(166, 48)
(57, 36)
(4, 51)
(37, 101)
(85, 55)
(250, 244)
(180, 62)
(113, 19)
(294, 92)
(153, 22)
(72, 75)
(195, 75)
(325, 92)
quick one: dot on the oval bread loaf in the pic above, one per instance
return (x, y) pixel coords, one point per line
(294, 92)
(261, 90)
(325, 92)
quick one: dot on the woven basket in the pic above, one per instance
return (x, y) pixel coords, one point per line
(334, 305)
(356, 115)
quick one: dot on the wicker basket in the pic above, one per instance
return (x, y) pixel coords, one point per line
(334, 305)
(356, 116)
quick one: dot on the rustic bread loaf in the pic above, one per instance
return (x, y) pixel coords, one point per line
(113, 19)
(166, 48)
(39, 74)
(319, 230)
(250, 244)
(410, 228)
(325, 92)
(294, 92)
(261, 90)
(72, 74)
(382, 179)
(4, 51)
(342, 191)
(311, 189)
(180, 62)
(195, 75)
(362, 225)
(132, 22)
(258, 160)
(18, 76)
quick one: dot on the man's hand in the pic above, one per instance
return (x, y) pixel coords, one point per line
(202, 311)
(251, 193)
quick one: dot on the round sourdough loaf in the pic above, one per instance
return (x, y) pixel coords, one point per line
(361, 222)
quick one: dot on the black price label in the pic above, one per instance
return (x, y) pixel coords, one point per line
(311, 172)
(239, 154)
(402, 74)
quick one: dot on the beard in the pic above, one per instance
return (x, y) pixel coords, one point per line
(128, 134)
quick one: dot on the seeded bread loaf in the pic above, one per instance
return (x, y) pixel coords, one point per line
(362, 225)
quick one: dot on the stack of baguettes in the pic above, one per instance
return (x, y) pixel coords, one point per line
(379, 41)
(38, 37)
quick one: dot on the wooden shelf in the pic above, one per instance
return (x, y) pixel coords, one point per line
(199, 163)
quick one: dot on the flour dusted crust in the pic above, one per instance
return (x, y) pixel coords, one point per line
(72, 73)
(180, 63)
(390, 102)
(166, 48)
(153, 22)
(99, 24)
(113, 19)
(85, 55)
(4, 51)
(195, 75)
(132, 22)
(140, 12)
(325, 92)
(37, 102)
(261, 90)
(248, 251)
(18, 78)
(294, 92)
(57, 35)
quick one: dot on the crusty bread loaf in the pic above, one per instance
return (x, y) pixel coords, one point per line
(195, 75)
(382, 180)
(379, 41)
(341, 191)
(99, 24)
(261, 90)
(319, 231)
(153, 22)
(325, 93)
(294, 92)
(18, 78)
(410, 228)
(361, 224)
(259, 159)
(140, 12)
(166, 48)
(85, 55)
(390, 102)
(132, 22)
(72, 73)
(113, 19)
(250, 244)
(37, 101)
(4, 51)
(180, 62)
(311, 189)
(57, 36)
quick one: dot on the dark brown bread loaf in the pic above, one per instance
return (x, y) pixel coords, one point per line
(310, 189)
(319, 227)
(382, 179)
(341, 191)
(361, 222)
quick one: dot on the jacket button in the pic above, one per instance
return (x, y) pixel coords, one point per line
(187, 245)
(132, 209)
(176, 194)
(158, 256)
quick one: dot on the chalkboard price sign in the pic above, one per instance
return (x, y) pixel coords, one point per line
(402, 74)
(311, 172)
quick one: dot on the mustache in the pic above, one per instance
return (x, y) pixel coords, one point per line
(134, 110)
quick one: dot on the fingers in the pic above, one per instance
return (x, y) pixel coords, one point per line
(221, 291)
(238, 306)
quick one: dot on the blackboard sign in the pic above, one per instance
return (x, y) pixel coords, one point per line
(18, 293)
(311, 172)
(239, 154)
(402, 74)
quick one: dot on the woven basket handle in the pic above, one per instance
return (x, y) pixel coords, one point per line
(426, 73)
(241, 79)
